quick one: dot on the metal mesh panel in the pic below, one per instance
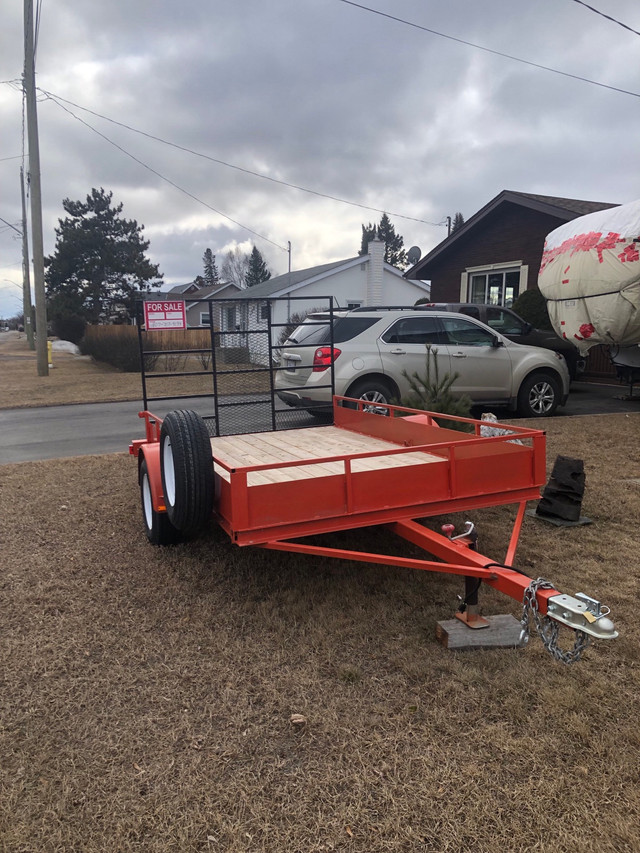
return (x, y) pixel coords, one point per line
(224, 366)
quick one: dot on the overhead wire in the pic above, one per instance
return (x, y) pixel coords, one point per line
(164, 178)
(53, 96)
(9, 225)
(488, 49)
(608, 17)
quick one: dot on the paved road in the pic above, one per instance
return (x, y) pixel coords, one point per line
(52, 432)
(79, 430)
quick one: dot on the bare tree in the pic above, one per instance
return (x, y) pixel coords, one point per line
(234, 267)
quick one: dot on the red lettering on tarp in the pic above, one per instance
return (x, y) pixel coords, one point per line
(582, 243)
(630, 253)
(586, 330)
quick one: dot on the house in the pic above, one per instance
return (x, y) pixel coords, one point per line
(496, 254)
(363, 280)
(200, 313)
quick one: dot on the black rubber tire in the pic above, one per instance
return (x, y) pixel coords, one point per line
(186, 463)
(539, 396)
(374, 391)
(157, 526)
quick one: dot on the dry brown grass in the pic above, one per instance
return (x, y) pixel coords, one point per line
(146, 693)
(80, 379)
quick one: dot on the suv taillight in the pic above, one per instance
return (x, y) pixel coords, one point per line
(322, 358)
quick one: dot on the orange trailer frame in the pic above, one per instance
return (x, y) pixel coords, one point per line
(410, 468)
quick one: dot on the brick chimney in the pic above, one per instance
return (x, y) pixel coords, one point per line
(375, 272)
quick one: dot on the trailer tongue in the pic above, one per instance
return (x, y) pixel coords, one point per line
(278, 489)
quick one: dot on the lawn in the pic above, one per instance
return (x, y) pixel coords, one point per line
(147, 693)
(80, 379)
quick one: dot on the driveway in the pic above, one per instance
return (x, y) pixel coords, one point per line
(80, 430)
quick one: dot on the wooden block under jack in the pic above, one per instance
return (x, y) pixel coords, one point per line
(503, 632)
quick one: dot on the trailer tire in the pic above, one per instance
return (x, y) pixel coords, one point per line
(157, 526)
(186, 464)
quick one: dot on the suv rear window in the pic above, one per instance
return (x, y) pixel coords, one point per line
(344, 329)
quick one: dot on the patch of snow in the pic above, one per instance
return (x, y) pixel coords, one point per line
(64, 346)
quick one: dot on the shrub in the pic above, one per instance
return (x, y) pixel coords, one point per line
(68, 327)
(532, 307)
(432, 394)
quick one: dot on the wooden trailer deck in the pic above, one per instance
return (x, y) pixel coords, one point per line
(365, 470)
(305, 445)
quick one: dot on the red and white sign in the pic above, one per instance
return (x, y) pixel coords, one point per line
(165, 315)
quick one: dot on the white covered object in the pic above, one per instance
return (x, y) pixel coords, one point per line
(590, 277)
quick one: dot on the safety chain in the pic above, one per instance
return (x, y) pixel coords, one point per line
(546, 627)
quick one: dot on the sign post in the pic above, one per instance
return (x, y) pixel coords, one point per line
(165, 315)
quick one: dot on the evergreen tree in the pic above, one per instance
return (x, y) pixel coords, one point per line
(257, 269)
(432, 393)
(394, 253)
(458, 222)
(211, 277)
(369, 233)
(99, 263)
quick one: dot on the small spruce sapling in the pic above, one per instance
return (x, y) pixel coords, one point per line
(432, 393)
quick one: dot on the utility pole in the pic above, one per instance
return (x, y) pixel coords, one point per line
(448, 226)
(26, 279)
(29, 83)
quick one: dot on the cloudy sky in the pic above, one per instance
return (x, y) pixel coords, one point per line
(323, 95)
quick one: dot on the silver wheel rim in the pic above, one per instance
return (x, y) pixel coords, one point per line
(147, 504)
(374, 397)
(169, 472)
(541, 398)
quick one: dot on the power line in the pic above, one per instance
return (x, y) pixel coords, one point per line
(489, 50)
(163, 177)
(608, 17)
(17, 157)
(10, 225)
(237, 168)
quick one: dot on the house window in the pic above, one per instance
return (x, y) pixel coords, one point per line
(264, 311)
(205, 319)
(494, 287)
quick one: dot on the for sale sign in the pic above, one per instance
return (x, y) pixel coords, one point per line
(165, 315)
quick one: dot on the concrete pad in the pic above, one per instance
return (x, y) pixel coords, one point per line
(503, 633)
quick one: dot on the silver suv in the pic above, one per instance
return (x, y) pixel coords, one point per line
(372, 348)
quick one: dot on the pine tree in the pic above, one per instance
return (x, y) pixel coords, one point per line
(458, 222)
(257, 269)
(369, 233)
(98, 266)
(433, 394)
(211, 277)
(394, 253)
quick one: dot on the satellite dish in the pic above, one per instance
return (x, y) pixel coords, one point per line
(414, 254)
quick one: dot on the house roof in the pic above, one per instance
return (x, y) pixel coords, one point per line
(182, 288)
(199, 293)
(289, 281)
(564, 209)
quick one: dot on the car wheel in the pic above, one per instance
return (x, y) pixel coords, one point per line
(539, 396)
(186, 464)
(157, 526)
(372, 391)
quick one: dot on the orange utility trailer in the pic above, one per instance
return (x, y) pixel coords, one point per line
(392, 466)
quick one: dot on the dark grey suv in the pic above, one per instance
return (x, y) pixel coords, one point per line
(509, 324)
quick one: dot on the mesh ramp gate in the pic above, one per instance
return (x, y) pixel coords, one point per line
(225, 365)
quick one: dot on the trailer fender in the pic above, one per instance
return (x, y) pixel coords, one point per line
(151, 455)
